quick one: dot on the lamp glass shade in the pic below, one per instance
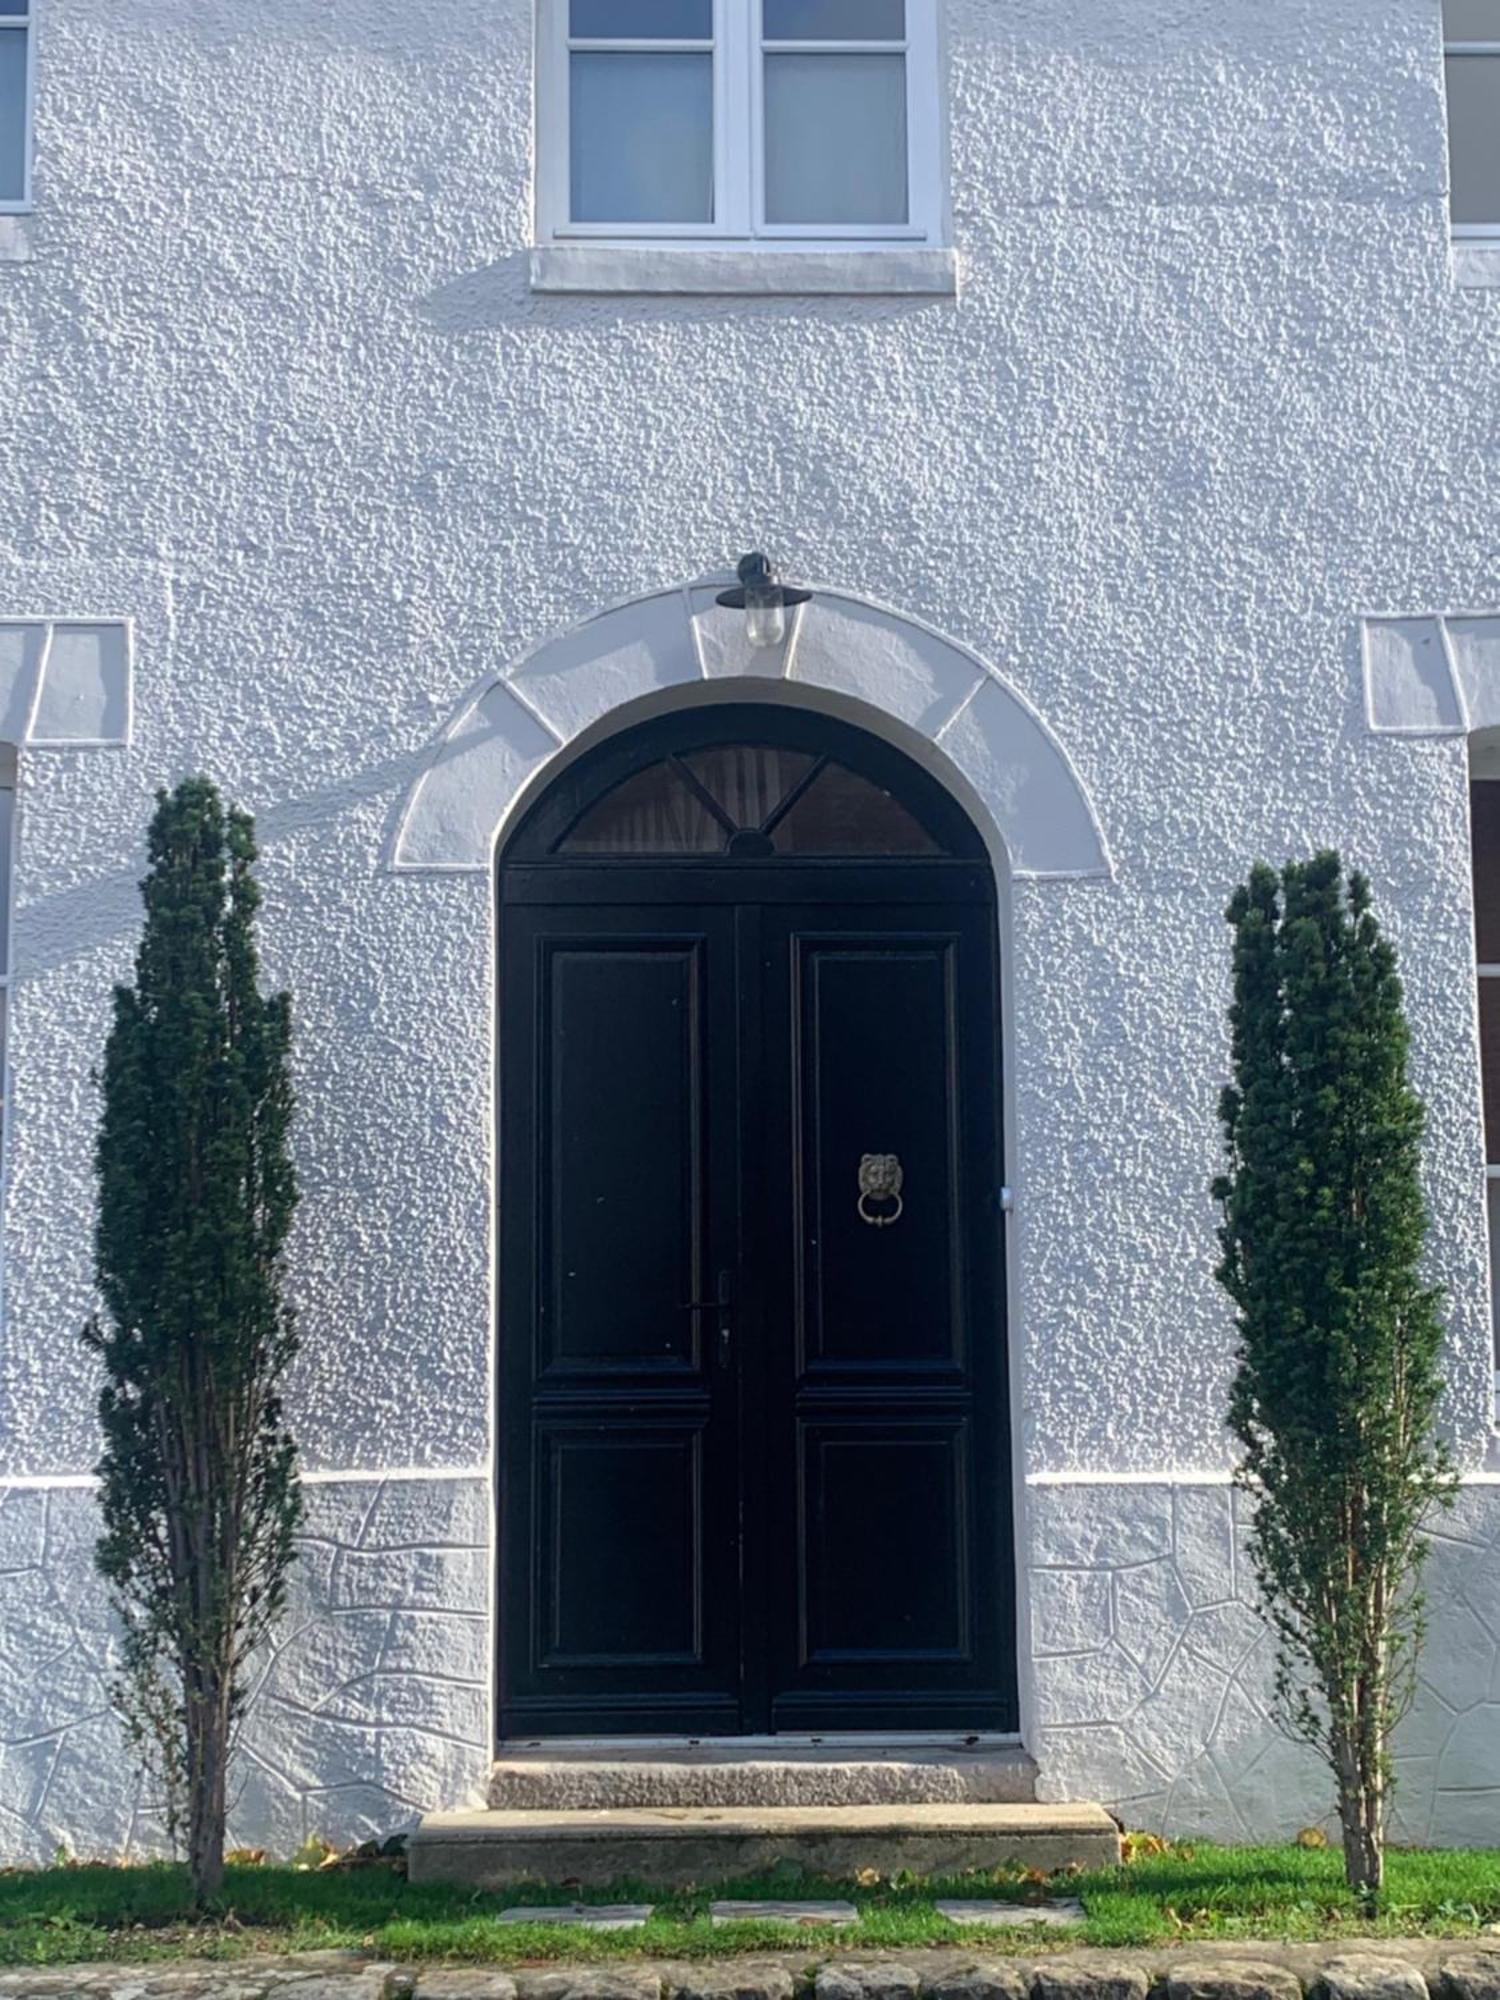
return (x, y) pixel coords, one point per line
(765, 616)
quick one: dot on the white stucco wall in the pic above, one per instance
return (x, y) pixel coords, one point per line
(273, 387)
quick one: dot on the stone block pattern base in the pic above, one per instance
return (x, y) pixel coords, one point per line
(371, 1708)
(1152, 1670)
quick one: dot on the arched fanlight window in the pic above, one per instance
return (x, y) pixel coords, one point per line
(743, 784)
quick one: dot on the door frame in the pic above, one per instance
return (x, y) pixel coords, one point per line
(983, 875)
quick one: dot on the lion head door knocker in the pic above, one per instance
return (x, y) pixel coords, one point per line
(879, 1181)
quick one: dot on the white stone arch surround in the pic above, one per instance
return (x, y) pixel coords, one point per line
(992, 747)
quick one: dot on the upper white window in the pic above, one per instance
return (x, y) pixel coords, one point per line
(15, 104)
(739, 120)
(1471, 58)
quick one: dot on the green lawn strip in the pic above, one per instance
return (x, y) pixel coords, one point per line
(59, 1915)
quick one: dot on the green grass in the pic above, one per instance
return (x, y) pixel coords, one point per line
(63, 1914)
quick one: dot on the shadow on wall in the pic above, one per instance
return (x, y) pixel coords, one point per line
(72, 923)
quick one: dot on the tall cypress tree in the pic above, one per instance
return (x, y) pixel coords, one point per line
(1339, 1358)
(198, 1482)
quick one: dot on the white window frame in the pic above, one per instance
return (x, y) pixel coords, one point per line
(25, 21)
(738, 49)
(1469, 232)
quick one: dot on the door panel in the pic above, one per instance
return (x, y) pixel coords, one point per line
(618, 1482)
(885, 1395)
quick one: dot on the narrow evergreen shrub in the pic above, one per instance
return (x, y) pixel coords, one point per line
(1339, 1374)
(198, 1482)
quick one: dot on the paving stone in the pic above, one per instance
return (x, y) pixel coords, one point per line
(470, 1983)
(586, 1916)
(1010, 1916)
(734, 1982)
(1470, 1976)
(874, 1981)
(320, 1986)
(781, 1911)
(612, 1982)
(1370, 1977)
(977, 1982)
(1224, 1979)
(1113, 1979)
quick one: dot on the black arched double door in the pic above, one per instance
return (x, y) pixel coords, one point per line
(753, 1468)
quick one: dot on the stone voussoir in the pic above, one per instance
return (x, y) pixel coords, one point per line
(1229, 1979)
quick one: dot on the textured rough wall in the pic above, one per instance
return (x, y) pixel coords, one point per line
(272, 385)
(1154, 1671)
(371, 1706)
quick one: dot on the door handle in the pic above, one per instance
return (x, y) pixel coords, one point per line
(721, 1305)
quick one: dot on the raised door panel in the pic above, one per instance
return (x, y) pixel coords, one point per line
(620, 1547)
(883, 1531)
(622, 1155)
(874, 1074)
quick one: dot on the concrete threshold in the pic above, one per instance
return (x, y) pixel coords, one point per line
(567, 1777)
(668, 1846)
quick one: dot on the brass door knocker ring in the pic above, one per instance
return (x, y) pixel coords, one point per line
(879, 1180)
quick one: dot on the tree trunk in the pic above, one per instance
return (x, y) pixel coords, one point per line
(207, 1774)
(1361, 1818)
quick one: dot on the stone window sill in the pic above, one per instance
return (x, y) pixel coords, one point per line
(1476, 263)
(887, 271)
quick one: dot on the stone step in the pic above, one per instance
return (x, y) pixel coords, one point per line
(551, 1777)
(673, 1846)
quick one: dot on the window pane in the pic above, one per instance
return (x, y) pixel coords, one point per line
(841, 20)
(642, 138)
(1474, 138)
(1471, 20)
(749, 780)
(835, 138)
(12, 114)
(652, 813)
(843, 813)
(641, 20)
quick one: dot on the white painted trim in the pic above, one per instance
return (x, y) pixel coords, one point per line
(1476, 264)
(1171, 1478)
(48, 625)
(1464, 722)
(86, 1482)
(769, 271)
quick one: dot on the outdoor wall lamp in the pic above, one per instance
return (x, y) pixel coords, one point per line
(762, 599)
